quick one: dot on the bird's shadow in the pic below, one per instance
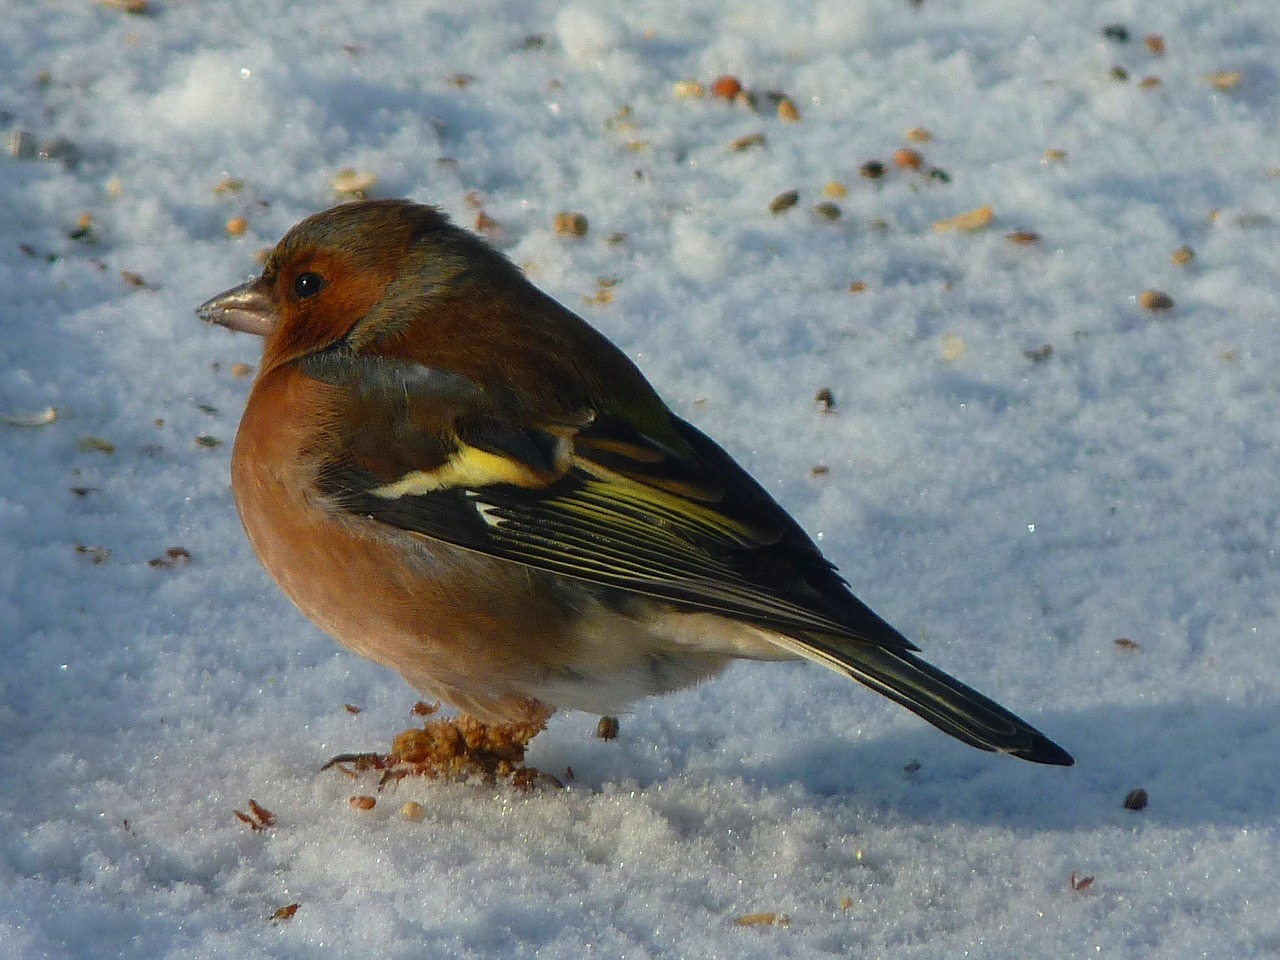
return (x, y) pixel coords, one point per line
(1206, 764)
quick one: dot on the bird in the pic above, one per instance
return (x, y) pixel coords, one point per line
(457, 477)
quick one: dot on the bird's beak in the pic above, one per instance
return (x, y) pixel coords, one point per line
(245, 308)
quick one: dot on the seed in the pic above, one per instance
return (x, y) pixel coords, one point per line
(969, 221)
(764, 919)
(92, 444)
(413, 811)
(726, 87)
(907, 158)
(1155, 300)
(747, 142)
(286, 912)
(136, 7)
(1224, 79)
(826, 210)
(569, 224)
(1136, 799)
(354, 183)
(784, 201)
(36, 418)
(607, 728)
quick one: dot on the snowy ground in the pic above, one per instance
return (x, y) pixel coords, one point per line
(1023, 466)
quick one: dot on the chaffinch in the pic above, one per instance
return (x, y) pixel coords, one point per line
(456, 477)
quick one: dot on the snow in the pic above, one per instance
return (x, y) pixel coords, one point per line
(1014, 509)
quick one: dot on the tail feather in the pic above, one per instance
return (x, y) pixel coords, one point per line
(944, 701)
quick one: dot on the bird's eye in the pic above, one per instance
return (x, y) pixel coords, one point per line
(307, 285)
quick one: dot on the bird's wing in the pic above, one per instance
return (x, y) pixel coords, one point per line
(587, 495)
(592, 496)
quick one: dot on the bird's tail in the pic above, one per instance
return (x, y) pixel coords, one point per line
(938, 697)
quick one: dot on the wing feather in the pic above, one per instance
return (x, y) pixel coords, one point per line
(619, 517)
